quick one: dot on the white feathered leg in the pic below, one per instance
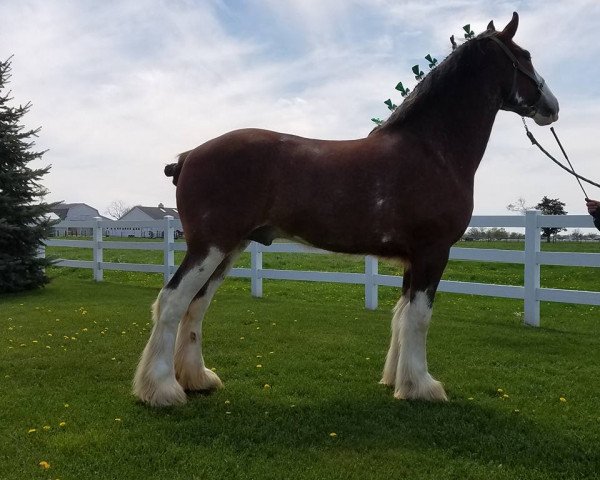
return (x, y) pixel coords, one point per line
(190, 370)
(154, 381)
(413, 381)
(391, 360)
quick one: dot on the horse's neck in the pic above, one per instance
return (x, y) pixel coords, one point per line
(458, 120)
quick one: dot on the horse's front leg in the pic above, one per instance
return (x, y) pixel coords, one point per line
(391, 360)
(413, 380)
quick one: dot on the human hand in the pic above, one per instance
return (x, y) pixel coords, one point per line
(592, 205)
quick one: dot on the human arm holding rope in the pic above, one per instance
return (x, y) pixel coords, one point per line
(593, 207)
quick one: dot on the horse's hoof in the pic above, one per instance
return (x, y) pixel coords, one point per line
(200, 380)
(387, 382)
(166, 394)
(429, 390)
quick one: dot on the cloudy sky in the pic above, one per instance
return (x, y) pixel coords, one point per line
(120, 87)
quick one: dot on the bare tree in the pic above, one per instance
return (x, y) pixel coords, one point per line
(519, 206)
(116, 209)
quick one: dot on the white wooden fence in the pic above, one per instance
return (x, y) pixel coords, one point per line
(532, 257)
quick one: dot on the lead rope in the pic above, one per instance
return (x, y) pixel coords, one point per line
(572, 170)
(569, 161)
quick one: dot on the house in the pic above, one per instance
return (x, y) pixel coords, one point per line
(140, 213)
(76, 212)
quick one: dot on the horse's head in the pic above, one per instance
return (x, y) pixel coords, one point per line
(524, 91)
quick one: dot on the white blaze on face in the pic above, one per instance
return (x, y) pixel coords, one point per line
(547, 105)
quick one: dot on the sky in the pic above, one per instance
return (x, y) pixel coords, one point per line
(119, 88)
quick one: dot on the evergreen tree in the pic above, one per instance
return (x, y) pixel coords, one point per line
(24, 220)
(551, 206)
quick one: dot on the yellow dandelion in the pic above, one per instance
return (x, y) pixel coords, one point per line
(505, 396)
(500, 390)
(113, 358)
(259, 366)
(227, 402)
(34, 341)
(333, 434)
(118, 420)
(267, 386)
(66, 405)
(44, 464)
(32, 430)
(242, 338)
(563, 399)
(84, 330)
(470, 398)
(62, 424)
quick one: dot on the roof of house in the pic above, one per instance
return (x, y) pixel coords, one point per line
(62, 209)
(158, 213)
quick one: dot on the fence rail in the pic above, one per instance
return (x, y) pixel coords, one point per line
(531, 258)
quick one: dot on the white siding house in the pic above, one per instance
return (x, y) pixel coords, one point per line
(75, 212)
(141, 213)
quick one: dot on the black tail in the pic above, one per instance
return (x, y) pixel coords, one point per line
(174, 169)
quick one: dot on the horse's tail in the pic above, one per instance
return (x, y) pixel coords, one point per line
(173, 169)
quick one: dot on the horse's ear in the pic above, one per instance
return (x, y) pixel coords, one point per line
(491, 27)
(509, 31)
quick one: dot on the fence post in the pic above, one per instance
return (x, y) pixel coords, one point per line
(532, 268)
(97, 249)
(371, 287)
(256, 281)
(169, 253)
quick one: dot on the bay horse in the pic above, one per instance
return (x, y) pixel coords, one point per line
(403, 192)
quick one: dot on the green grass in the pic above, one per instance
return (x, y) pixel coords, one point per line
(322, 354)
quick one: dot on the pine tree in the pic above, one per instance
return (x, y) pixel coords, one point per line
(24, 220)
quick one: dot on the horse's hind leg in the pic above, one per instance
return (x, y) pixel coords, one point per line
(413, 380)
(154, 380)
(391, 361)
(190, 371)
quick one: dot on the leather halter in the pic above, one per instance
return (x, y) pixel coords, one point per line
(539, 83)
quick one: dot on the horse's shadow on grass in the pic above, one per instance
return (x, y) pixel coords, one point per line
(458, 429)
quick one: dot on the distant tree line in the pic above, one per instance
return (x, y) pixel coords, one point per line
(489, 234)
(482, 234)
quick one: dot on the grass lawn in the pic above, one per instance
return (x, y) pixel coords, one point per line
(68, 353)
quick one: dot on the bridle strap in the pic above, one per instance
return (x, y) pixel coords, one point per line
(517, 66)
